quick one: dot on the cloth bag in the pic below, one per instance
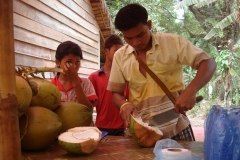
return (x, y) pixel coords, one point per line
(222, 133)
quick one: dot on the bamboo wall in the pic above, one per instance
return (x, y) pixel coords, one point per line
(41, 25)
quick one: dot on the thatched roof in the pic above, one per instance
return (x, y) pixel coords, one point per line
(103, 19)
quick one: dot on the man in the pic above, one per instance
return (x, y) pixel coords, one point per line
(165, 54)
(108, 118)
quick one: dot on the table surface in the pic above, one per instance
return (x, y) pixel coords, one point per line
(109, 148)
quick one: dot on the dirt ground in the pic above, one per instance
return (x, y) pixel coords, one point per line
(197, 124)
(197, 121)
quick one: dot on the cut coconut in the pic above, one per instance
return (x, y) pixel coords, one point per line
(80, 140)
(145, 135)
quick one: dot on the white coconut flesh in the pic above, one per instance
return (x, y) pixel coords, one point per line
(80, 140)
(145, 135)
(155, 129)
(79, 137)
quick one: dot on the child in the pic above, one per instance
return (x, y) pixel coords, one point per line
(72, 87)
(108, 118)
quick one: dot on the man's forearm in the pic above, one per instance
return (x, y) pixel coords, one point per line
(204, 75)
(118, 99)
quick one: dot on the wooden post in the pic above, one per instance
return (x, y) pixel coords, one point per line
(10, 148)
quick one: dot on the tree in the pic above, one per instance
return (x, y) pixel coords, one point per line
(161, 12)
(219, 21)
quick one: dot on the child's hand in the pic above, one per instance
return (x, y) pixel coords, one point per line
(70, 71)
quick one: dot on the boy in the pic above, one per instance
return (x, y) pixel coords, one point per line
(108, 118)
(165, 54)
(72, 87)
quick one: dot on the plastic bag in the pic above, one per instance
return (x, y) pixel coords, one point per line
(169, 143)
(222, 133)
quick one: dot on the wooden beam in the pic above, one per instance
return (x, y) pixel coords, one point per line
(10, 148)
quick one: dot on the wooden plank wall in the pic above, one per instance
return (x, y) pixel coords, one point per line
(41, 25)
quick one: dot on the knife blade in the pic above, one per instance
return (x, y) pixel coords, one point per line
(165, 117)
(162, 118)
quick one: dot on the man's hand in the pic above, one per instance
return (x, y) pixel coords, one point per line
(187, 98)
(126, 112)
(185, 102)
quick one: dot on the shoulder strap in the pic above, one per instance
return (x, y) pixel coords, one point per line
(160, 83)
(157, 80)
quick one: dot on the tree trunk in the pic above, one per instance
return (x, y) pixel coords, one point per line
(10, 148)
(227, 87)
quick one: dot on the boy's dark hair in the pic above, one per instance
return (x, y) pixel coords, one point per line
(130, 16)
(66, 48)
(112, 40)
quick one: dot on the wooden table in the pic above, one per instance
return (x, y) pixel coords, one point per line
(110, 148)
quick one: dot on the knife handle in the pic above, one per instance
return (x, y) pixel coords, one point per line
(199, 98)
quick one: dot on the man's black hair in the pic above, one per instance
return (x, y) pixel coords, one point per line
(130, 16)
(113, 40)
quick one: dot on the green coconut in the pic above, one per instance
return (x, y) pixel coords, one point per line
(146, 136)
(45, 93)
(73, 115)
(24, 95)
(39, 128)
(80, 140)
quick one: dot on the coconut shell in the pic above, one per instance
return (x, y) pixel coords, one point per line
(84, 144)
(24, 95)
(73, 115)
(146, 136)
(39, 128)
(45, 94)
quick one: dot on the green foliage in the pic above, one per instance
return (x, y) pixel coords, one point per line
(188, 74)
(161, 12)
(218, 28)
(222, 61)
(192, 24)
(227, 60)
(206, 46)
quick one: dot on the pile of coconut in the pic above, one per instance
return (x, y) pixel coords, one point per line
(43, 119)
